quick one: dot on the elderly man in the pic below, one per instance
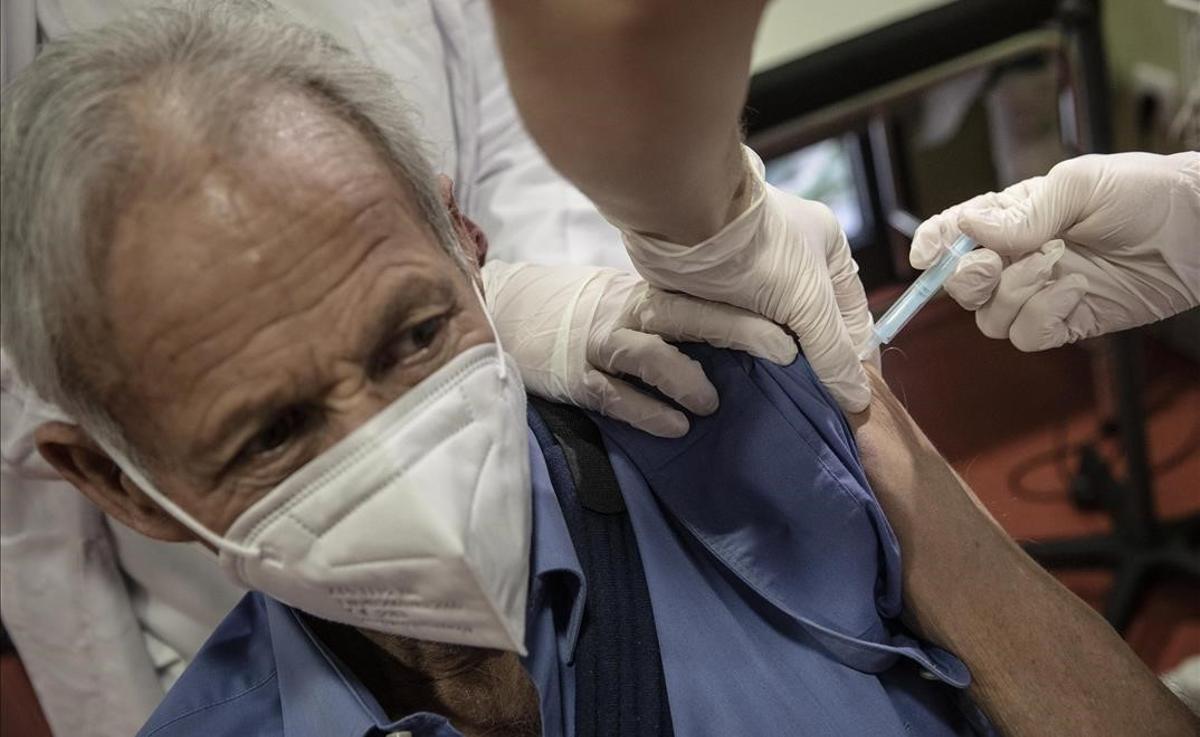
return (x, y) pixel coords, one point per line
(270, 330)
(110, 590)
(113, 589)
(276, 337)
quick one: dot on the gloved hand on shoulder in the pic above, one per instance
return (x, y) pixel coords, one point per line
(785, 258)
(574, 330)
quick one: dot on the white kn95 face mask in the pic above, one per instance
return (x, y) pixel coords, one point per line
(416, 524)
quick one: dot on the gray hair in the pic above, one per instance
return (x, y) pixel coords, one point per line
(71, 157)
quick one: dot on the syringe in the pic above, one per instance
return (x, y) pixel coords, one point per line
(914, 298)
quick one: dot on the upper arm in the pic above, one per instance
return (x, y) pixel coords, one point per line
(519, 200)
(636, 102)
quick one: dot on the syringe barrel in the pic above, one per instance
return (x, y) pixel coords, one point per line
(922, 290)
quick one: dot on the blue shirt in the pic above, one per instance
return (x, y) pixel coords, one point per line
(264, 673)
(774, 580)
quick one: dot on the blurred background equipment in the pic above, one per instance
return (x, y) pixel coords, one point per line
(892, 111)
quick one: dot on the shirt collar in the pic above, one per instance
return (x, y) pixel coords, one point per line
(556, 577)
(318, 694)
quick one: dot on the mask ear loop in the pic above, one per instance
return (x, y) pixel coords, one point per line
(487, 314)
(177, 512)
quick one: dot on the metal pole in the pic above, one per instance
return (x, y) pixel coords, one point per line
(1137, 488)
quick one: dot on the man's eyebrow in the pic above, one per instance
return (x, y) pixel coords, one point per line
(246, 415)
(379, 327)
(401, 304)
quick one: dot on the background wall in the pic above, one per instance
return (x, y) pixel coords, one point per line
(1138, 31)
(793, 28)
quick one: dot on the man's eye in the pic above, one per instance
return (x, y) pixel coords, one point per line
(283, 428)
(424, 333)
(409, 343)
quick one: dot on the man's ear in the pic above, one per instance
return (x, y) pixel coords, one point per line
(83, 463)
(470, 236)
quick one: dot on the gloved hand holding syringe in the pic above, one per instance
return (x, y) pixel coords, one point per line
(926, 286)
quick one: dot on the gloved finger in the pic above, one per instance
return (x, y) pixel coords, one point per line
(1052, 317)
(850, 296)
(659, 364)
(684, 318)
(614, 398)
(1023, 217)
(1017, 284)
(933, 237)
(975, 278)
(826, 343)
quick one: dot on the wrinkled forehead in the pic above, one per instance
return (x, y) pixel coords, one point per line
(306, 213)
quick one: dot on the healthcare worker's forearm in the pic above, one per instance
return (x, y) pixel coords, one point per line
(1042, 661)
(637, 102)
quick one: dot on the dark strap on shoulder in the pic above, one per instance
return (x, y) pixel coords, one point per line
(595, 483)
(619, 684)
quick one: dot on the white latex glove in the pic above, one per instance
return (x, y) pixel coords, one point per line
(574, 329)
(785, 258)
(1100, 244)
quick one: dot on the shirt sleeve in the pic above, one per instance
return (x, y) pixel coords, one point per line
(529, 212)
(62, 595)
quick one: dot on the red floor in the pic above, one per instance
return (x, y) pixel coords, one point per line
(1011, 423)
